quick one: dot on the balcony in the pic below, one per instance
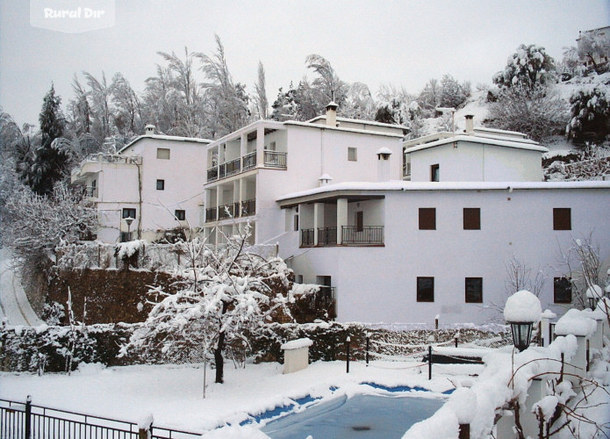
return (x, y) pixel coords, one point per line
(307, 238)
(274, 159)
(94, 163)
(366, 235)
(249, 161)
(226, 211)
(327, 236)
(248, 208)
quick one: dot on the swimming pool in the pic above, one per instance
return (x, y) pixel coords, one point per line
(361, 416)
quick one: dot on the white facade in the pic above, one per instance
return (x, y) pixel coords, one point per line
(158, 177)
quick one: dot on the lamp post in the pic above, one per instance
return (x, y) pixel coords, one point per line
(594, 293)
(129, 220)
(521, 311)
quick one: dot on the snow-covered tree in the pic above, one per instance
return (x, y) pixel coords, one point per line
(594, 49)
(527, 68)
(284, 106)
(590, 113)
(453, 94)
(430, 96)
(127, 111)
(224, 292)
(99, 98)
(326, 85)
(260, 98)
(359, 103)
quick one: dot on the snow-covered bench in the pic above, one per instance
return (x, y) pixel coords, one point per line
(296, 354)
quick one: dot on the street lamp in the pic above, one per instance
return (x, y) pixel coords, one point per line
(129, 220)
(521, 311)
(594, 293)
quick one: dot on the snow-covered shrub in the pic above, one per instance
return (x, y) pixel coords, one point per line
(590, 113)
(529, 67)
(53, 313)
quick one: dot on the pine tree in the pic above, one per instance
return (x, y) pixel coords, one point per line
(49, 162)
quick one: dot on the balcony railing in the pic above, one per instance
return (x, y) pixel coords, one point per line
(249, 161)
(307, 238)
(367, 235)
(226, 211)
(327, 236)
(233, 167)
(213, 173)
(210, 214)
(248, 207)
(274, 159)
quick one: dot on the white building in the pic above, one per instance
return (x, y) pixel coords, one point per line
(155, 179)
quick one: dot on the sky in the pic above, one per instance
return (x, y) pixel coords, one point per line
(403, 43)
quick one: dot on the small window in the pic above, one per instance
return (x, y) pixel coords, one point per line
(129, 213)
(352, 154)
(472, 218)
(435, 172)
(296, 222)
(299, 279)
(425, 289)
(163, 153)
(562, 290)
(427, 218)
(180, 214)
(474, 290)
(160, 185)
(562, 218)
(359, 221)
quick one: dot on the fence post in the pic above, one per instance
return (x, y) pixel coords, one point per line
(368, 339)
(464, 432)
(347, 342)
(28, 417)
(145, 427)
(429, 362)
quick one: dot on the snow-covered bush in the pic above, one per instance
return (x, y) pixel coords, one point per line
(529, 67)
(590, 113)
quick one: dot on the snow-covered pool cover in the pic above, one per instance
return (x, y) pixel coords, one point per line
(364, 415)
(522, 306)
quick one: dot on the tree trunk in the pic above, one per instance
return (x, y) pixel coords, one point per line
(218, 359)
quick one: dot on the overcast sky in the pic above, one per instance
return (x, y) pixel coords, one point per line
(404, 43)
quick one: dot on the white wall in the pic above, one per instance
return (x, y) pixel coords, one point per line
(379, 284)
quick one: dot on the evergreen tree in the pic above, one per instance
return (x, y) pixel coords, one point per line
(49, 162)
(527, 68)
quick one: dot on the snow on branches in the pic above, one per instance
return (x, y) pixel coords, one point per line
(221, 294)
(528, 67)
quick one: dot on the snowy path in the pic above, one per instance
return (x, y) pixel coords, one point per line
(14, 304)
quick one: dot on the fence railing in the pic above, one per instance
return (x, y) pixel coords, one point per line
(327, 236)
(366, 235)
(25, 420)
(306, 237)
(249, 161)
(248, 207)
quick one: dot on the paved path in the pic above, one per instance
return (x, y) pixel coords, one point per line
(14, 304)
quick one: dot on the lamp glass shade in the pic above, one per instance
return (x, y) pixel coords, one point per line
(522, 333)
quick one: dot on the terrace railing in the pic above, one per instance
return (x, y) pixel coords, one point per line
(307, 238)
(233, 167)
(367, 235)
(249, 161)
(327, 236)
(213, 173)
(274, 159)
(248, 207)
(211, 214)
(226, 211)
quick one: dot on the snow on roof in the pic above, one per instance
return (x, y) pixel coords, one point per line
(358, 121)
(384, 150)
(347, 129)
(487, 140)
(165, 137)
(297, 344)
(577, 323)
(399, 185)
(325, 177)
(522, 306)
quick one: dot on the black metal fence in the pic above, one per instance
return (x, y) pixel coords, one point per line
(307, 237)
(28, 421)
(367, 235)
(327, 236)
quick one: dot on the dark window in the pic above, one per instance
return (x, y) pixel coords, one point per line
(296, 222)
(427, 218)
(129, 213)
(425, 289)
(472, 218)
(180, 214)
(435, 172)
(160, 185)
(562, 290)
(359, 221)
(474, 290)
(562, 218)
(352, 154)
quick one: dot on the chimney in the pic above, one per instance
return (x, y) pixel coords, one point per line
(383, 163)
(469, 124)
(324, 179)
(150, 130)
(331, 114)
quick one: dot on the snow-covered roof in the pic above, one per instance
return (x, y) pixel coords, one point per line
(359, 121)
(347, 129)
(165, 137)
(384, 150)
(486, 140)
(399, 185)
(297, 344)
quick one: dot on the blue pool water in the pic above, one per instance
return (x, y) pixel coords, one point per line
(361, 416)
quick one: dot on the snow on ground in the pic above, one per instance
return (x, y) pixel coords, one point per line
(14, 304)
(173, 394)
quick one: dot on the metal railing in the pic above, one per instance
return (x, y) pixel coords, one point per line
(249, 161)
(213, 173)
(233, 167)
(274, 159)
(26, 420)
(226, 211)
(367, 235)
(210, 214)
(307, 238)
(327, 236)
(248, 207)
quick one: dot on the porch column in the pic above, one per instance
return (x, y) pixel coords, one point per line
(242, 192)
(260, 146)
(318, 220)
(218, 198)
(243, 145)
(237, 198)
(341, 218)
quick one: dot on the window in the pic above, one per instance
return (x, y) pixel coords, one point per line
(299, 279)
(359, 221)
(160, 185)
(435, 172)
(425, 289)
(296, 222)
(129, 213)
(427, 218)
(180, 214)
(473, 290)
(472, 218)
(352, 154)
(163, 153)
(562, 218)
(562, 290)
